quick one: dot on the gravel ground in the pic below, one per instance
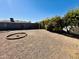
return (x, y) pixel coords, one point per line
(38, 44)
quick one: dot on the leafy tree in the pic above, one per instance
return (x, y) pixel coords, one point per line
(44, 23)
(71, 19)
(55, 24)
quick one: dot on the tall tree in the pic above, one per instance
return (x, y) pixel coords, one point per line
(71, 19)
(55, 24)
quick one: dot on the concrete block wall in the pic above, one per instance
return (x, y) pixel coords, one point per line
(17, 26)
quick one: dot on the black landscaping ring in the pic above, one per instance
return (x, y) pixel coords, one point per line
(17, 36)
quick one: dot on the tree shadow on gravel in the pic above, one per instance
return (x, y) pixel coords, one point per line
(72, 35)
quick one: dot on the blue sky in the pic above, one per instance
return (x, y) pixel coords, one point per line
(35, 10)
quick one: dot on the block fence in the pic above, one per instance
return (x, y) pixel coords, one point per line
(17, 26)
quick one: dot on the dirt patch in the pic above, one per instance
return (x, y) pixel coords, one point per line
(39, 44)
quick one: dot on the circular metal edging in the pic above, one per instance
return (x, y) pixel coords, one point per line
(17, 37)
